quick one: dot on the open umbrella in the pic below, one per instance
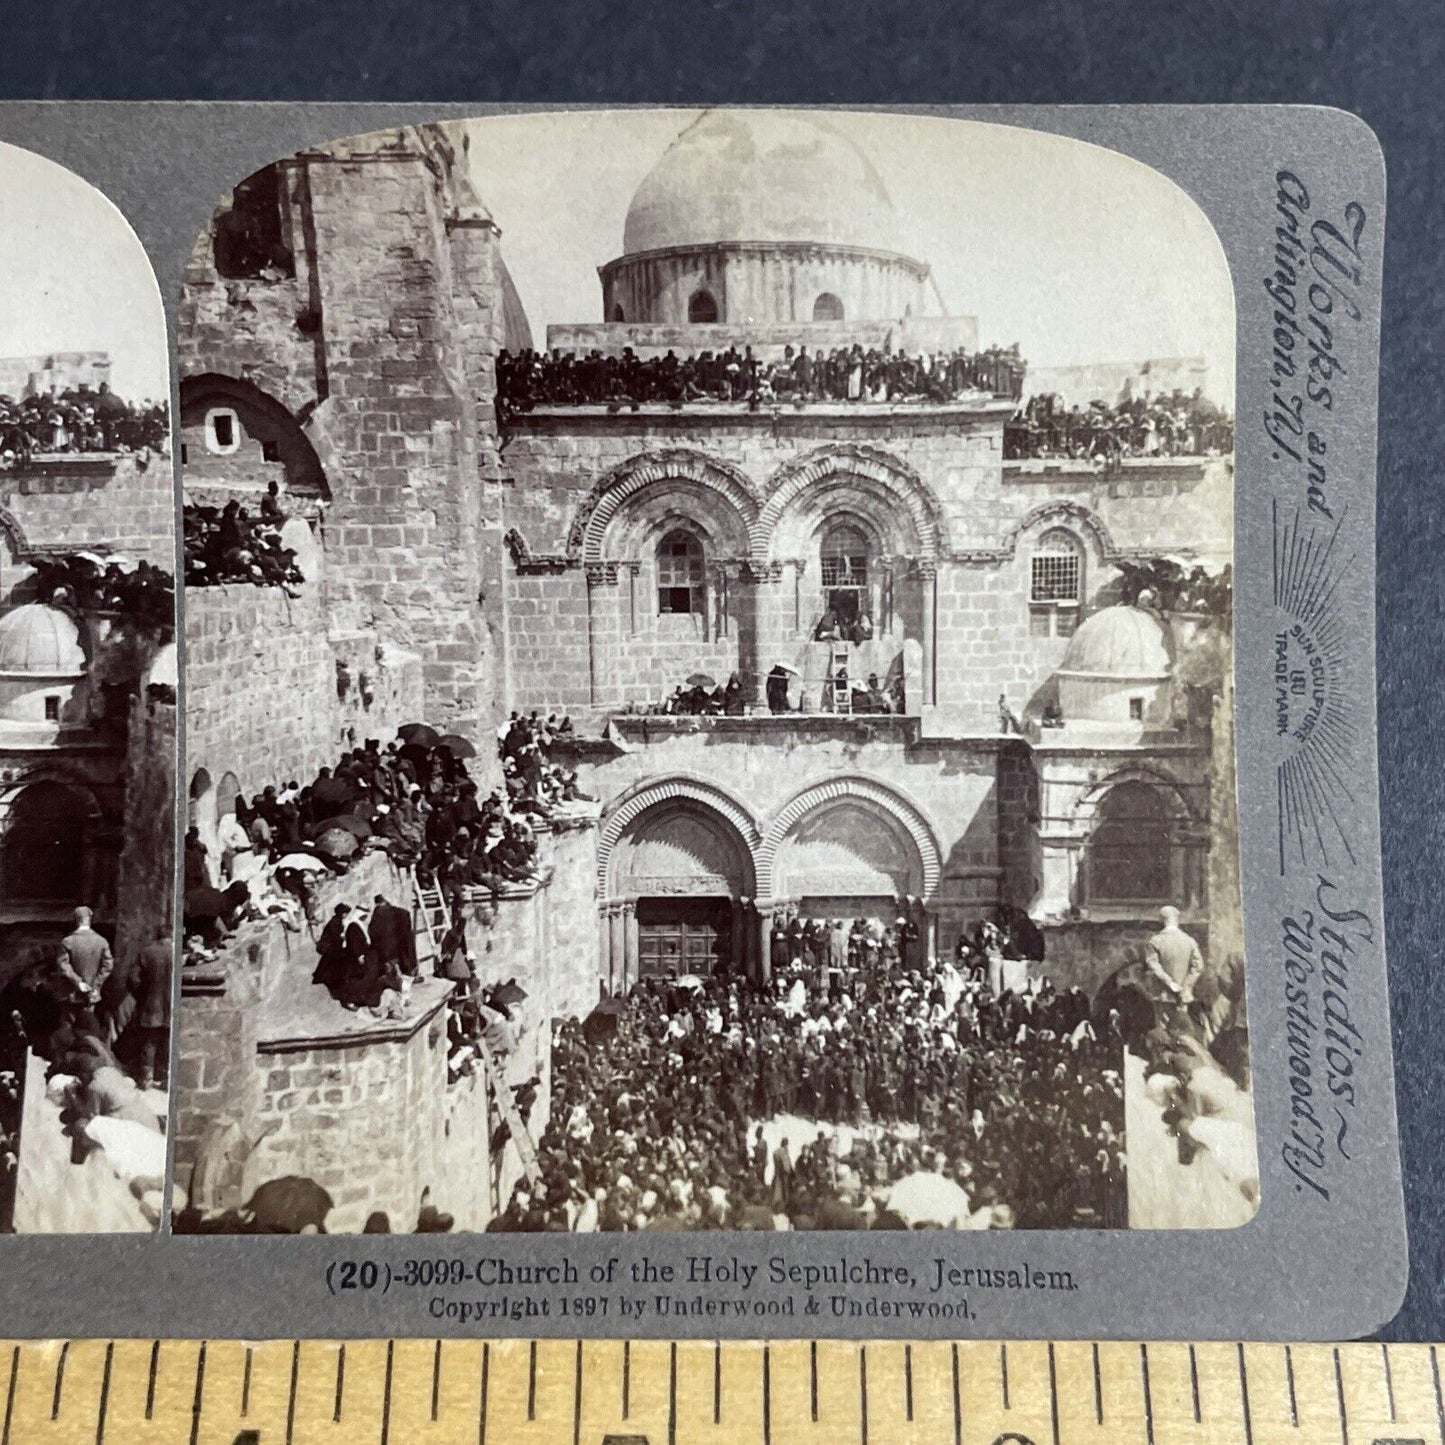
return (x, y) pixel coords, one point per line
(786, 667)
(701, 679)
(457, 746)
(419, 733)
(508, 994)
(689, 981)
(601, 1023)
(924, 1198)
(289, 1205)
(303, 863)
(333, 792)
(337, 843)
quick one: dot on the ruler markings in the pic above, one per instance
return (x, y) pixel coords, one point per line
(863, 1393)
(104, 1405)
(1340, 1396)
(672, 1395)
(199, 1394)
(151, 1382)
(813, 1377)
(291, 1399)
(1194, 1382)
(717, 1383)
(1439, 1398)
(1148, 1393)
(1244, 1399)
(957, 1403)
(908, 1381)
(59, 1380)
(436, 1377)
(386, 1395)
(532, 1381)
(1053, 1393)
(1389, 1380)
(482, 1407)
(626, 1378)
(1289, 1377)
(10, 1394)
(337, 1403)
(1098, 1388)
(767, 1396)
(246, 1385)
(1003, 1373)
(576, 1395)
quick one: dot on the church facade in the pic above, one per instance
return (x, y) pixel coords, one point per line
(652, 543)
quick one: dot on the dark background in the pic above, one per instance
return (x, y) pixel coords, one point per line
(1378, 58)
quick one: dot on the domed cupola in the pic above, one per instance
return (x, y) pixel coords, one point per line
(762, 218)
(1117, 669)
(41, 664)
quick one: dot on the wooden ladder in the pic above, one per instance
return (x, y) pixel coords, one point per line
(433, 921)
(839, 681)
(507, 1105)
(431, 918)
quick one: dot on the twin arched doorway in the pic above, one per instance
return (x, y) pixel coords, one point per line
(690, 880)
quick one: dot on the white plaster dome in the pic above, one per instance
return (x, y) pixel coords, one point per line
(41, 640)
(761, 176)
(1118, 641)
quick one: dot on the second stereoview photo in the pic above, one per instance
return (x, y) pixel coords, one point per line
(709, 685)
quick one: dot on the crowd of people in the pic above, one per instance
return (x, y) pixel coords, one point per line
(79, 420)
(1007, 1098)
(229, 544)
(101, 1034)
(1177, 425)
(86, 582)
(797, 378)
(413, 798)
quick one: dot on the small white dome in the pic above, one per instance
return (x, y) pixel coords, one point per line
(42, 640)
(1119, 641)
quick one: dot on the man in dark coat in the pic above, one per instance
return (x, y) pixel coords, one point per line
(331, 949)
(392, 937)
(153, 1003)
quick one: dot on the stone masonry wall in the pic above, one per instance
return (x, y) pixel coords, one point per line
(145, 888)
(72, 502)
(262, 686)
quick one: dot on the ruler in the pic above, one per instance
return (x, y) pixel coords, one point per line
(645, 1392)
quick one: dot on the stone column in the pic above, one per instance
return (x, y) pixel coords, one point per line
(928, 581)
(764, 935)
(629, 942)
(616, 949)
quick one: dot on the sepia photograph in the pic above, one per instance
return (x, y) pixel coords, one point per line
(709, 685)
(87, 712)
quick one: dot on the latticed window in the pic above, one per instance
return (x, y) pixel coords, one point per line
(680, 585)
(1056, 584)
(845, 557)
(1128, 852)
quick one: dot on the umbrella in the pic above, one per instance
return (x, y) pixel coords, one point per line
(926, 1198)
(601, 1023)
(457, 746)
(337, 843)
(334, 791)
(207, 903)
(508, 994)
(303, 863)
(786, 667)
(288, 1205)
(688, 981)
(419, 733)
(352, 823)
(701, 679)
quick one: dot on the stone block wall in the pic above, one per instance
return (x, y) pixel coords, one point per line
(145, 889)
(74, 501)
(262, 698)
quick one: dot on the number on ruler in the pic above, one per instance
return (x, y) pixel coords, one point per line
(1014, 1438)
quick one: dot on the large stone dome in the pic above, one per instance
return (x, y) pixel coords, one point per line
(41, 640)
(761, 176)
(1124, 642)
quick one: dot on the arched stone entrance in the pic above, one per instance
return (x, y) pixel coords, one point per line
(852, 848)
(677, 879)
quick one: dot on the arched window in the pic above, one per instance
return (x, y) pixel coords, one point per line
(827, 308)
(617, 312)
(43, 857)
(1056, 584)
(1128, 852)
(702, 307)
(680, 583)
